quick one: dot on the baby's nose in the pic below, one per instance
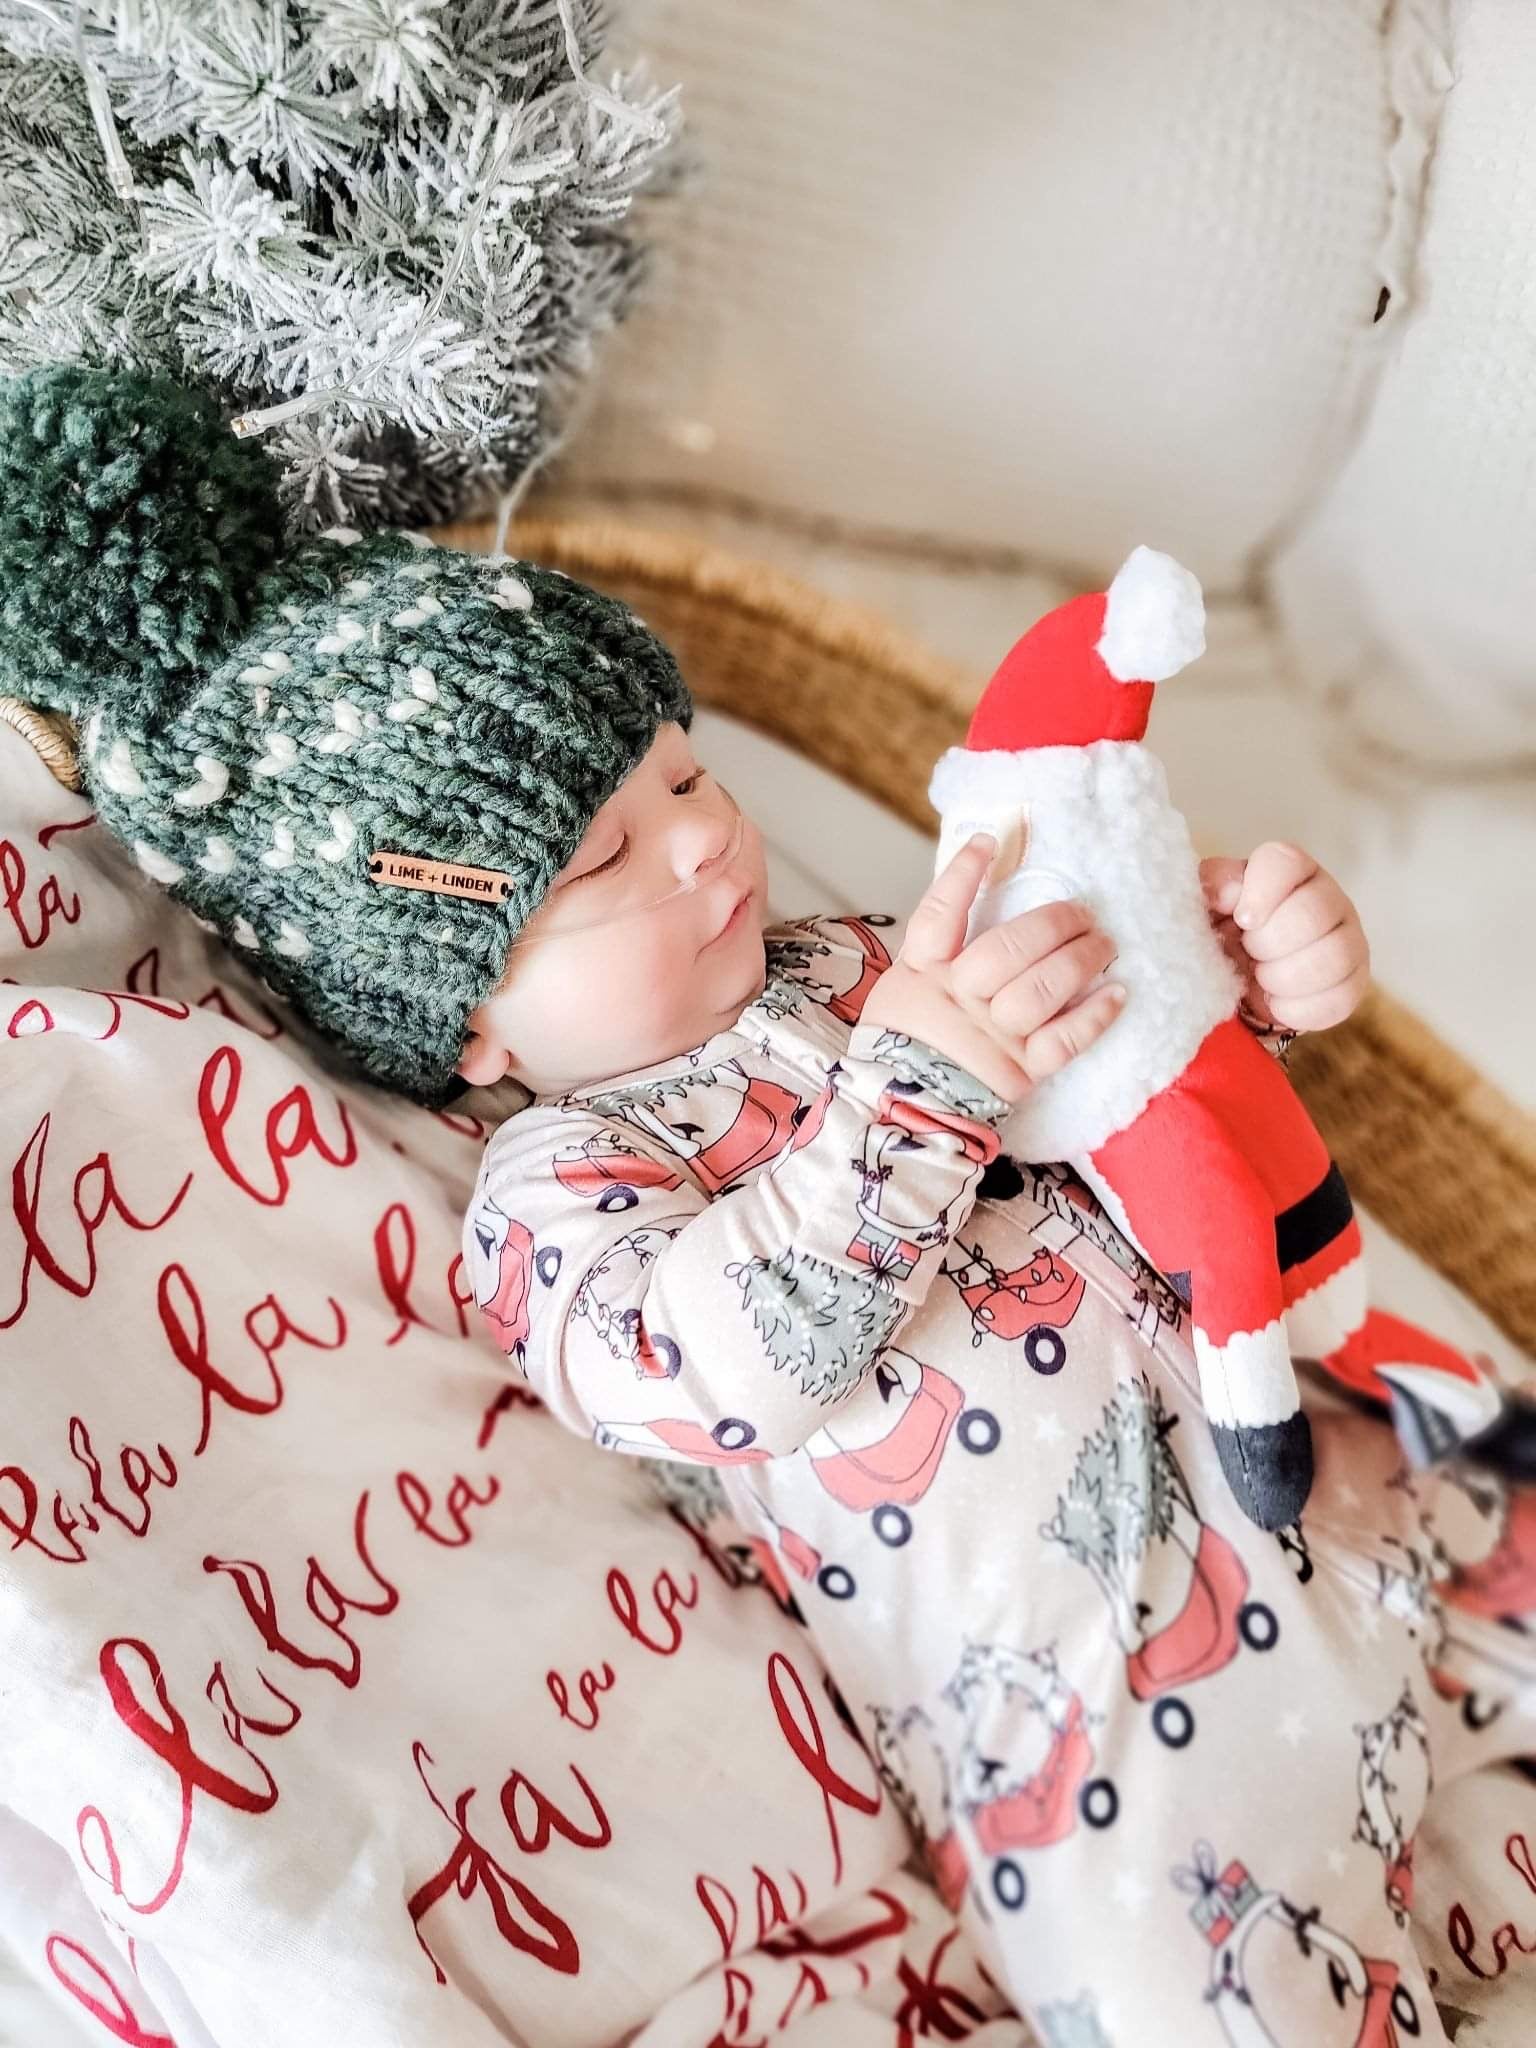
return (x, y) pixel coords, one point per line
(699, 843)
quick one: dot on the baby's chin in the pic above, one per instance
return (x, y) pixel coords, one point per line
(742, 984)
(756, 977)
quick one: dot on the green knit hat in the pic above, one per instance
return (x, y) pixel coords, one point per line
(265, 725)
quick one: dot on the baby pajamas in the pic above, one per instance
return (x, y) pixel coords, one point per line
(1168, 1769)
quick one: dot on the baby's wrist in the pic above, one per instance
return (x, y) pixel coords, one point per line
(1276, 1039)
(919, 1064)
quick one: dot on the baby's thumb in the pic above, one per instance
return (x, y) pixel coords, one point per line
(1222, 880)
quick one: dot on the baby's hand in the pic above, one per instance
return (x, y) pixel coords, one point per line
(1292, 933)
(1005, 1007)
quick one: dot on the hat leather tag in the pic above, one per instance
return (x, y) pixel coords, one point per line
(441, 877)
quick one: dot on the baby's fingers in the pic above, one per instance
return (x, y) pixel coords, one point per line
(1310, 913)
(1037, 994)
(1222, 881)
(1270, 874)
(1049, 1049)
(1016, 947)
(1321, 1012)
(1325, 964)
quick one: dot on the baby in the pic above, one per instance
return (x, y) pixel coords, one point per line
(756, 1219)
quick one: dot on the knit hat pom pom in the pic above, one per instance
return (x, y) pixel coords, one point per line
(134, 530)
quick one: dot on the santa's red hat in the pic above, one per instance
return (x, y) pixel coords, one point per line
(1086, 671)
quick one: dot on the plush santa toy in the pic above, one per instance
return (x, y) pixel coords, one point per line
(1184, 1125)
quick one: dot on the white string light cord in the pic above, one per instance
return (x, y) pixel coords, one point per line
(118, 172)
(248, 424)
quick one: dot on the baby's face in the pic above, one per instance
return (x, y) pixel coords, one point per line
(650, 941)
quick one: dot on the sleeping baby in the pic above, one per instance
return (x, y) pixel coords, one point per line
(756, 1218)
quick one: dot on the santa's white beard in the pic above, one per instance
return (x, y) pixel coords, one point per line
(1101, 827)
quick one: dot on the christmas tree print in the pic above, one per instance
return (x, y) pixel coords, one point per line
(1127, 1491)
(819, 1321)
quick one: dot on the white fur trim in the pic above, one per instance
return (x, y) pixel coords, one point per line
(1101, 827)
(1321, 1320)
(1248, 1381)
(1154, 622)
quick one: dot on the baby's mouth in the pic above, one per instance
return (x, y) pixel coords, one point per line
(732, 920)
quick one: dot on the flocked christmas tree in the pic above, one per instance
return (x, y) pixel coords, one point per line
(387, 232)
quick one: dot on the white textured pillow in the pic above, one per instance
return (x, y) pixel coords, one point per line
(364, 1704)
(1050, 278)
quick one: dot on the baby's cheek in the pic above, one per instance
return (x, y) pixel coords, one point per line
(632, 990)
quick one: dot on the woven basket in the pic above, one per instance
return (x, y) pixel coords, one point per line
(1434, 1150)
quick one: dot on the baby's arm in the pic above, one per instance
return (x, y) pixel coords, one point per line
(724, 1330)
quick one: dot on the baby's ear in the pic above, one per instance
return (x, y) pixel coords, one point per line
(483, 1062)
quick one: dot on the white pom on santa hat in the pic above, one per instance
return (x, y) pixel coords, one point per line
(1154, 620)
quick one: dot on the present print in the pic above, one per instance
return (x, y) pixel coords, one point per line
(1220, 1898)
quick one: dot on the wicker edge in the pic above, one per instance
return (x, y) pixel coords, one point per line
(1444, 1160)
(51, 736)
